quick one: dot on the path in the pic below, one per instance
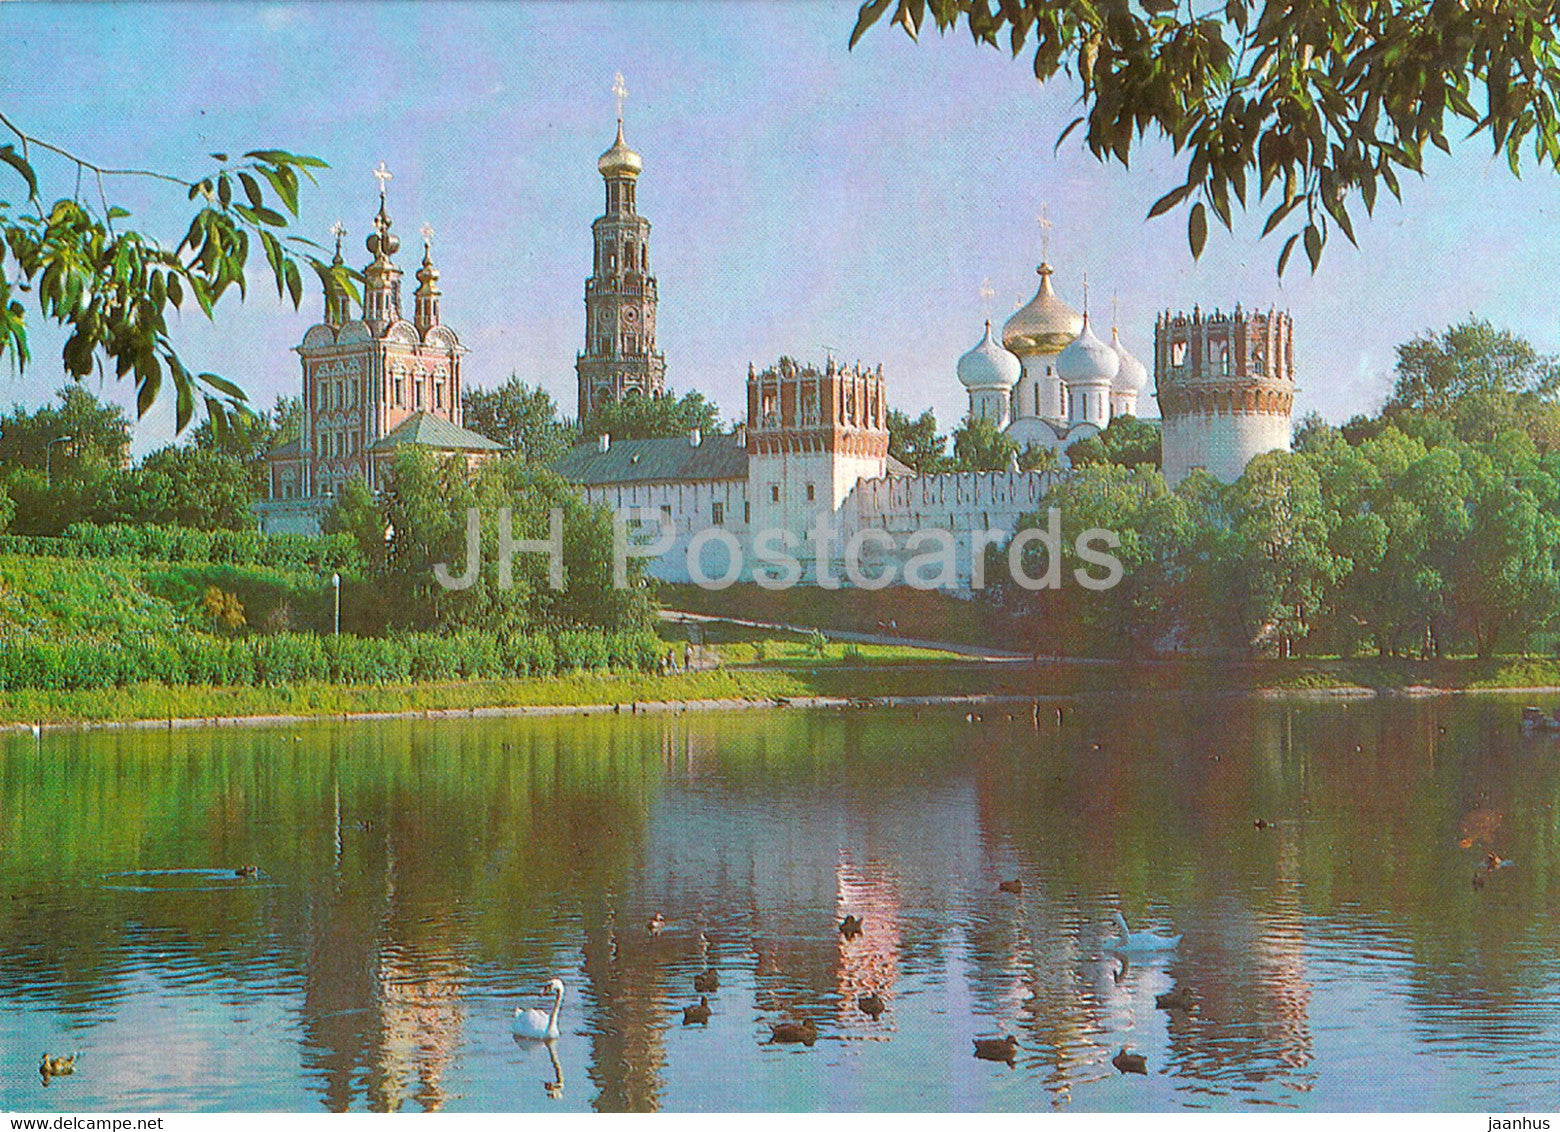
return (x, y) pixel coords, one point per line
(974, 652)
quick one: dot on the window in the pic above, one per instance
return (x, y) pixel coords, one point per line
(1178, 353)
(438, 394)
(417, 392)
(717, 513)
(811, 495)
(774, 493)
(400, 388)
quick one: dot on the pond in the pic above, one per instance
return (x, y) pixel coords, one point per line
(416, 881)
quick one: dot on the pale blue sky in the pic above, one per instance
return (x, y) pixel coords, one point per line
(800, 194)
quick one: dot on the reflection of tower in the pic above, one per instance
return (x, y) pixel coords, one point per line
(1226, 386)
(620, 356)
(421, 1020)
(870, 962)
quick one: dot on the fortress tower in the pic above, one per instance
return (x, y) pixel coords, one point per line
(811, 435)
(1226, 389)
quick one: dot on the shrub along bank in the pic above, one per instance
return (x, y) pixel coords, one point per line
(52, 664)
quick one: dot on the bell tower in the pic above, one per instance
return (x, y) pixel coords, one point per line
(620, 356)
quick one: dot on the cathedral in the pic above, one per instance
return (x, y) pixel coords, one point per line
(370, 384)
(804, 488)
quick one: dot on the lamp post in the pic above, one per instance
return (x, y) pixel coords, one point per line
(48, 457)
(335, 581)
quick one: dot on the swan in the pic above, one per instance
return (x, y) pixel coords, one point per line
(1131, 941)
(536, 1025)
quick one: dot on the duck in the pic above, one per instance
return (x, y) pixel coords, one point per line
(1178, 999)
(57, 1066)
(1262, 823)
(1130, 1062)
(655, 924)
(1131, 941)
(871, 1004)
(850, 927)
(707, 981)
(535, 1025)
(804, 1031)
(997, 1049)
(247, 871)
(698, 1014)
(1016, 887)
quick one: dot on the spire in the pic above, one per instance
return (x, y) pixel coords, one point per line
(337, 310)
(427, 314)
(382, 278)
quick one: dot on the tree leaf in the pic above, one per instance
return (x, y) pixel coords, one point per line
(869, 14)
(1197, 229)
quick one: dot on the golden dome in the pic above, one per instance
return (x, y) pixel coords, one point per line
(1044, 325)
(620, 161)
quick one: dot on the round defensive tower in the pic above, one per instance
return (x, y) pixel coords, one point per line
(1226, 389)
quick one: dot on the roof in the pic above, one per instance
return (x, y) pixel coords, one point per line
(719, 457)
(436, 432)
(287, 450)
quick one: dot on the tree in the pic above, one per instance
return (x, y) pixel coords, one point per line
(979, 446)
(637, 417)
(184, 486)
(113, 287)
(1308, 104)
(99, 434)
(1281, 539)
(249, 436)
(916, 443)
(1127, 441)
(1437, 371)
(522, 418)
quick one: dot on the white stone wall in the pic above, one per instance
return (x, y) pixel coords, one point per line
(1221, 443)
(689, 507)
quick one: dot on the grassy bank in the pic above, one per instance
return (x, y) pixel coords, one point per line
(842, 680)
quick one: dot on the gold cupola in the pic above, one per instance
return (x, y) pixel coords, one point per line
(1044, 325)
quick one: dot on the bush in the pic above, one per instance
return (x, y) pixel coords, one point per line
(321, 554)
(29, 661)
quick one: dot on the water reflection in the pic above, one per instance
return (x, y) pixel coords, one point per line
(418, 880)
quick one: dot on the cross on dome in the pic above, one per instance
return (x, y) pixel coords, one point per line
(426, 232)
(384, 176)
(1044, 220)
(987, 293)
(620, 89)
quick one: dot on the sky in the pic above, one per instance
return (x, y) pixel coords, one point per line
(801, 195)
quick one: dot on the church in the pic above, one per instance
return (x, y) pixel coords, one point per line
(806, 475)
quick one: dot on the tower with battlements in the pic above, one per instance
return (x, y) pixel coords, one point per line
(1226, 389)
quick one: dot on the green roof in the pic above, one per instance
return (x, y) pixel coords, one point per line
(435, 432)
(718, 457)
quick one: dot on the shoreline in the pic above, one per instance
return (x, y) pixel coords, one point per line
(679, 706)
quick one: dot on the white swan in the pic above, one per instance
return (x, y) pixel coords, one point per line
(536, 1025)
(1132, 942)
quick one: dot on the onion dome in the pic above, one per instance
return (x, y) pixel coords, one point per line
(1044, 325)
(1133, 374)
(382, 243)
(427, 274)
(1087, 360)
(620, 161)
(989, 366)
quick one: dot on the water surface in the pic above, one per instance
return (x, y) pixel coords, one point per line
(416, 881)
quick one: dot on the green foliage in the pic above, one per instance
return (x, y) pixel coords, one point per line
(53, 663)
(112, 288)
(1126, 440)
(917, 443)
(979, 446)
(641, 418)
(249, 436)
(425, 507)
(1312, 107)
(816, 644)
(178, 544)
(98, 431)
(523, 418)
(185, 486)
